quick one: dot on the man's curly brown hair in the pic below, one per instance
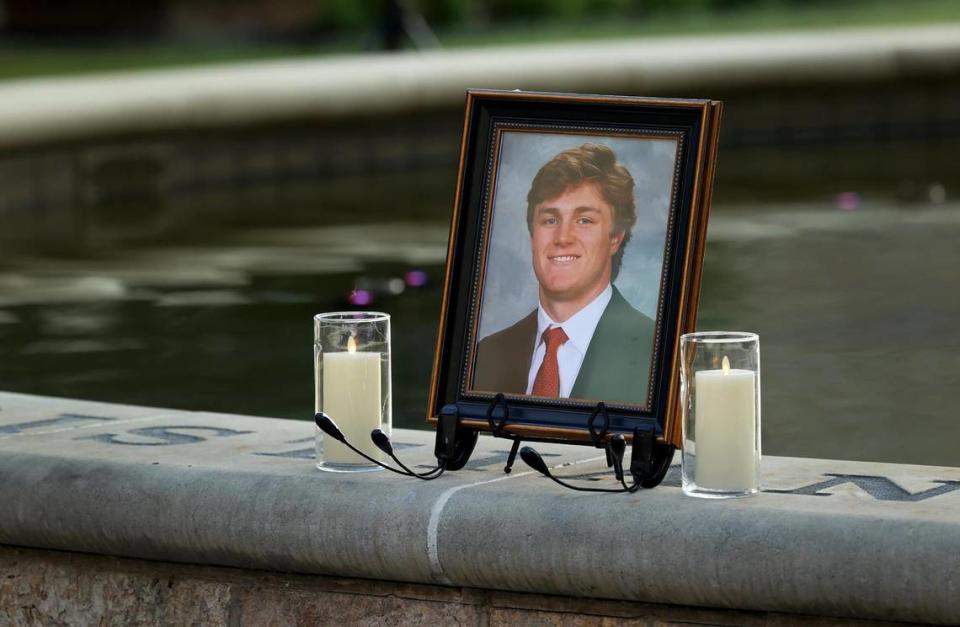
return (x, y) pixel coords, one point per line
(589, 163)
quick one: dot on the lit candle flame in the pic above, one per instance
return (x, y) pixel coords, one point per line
(726, 365)
(352, 345)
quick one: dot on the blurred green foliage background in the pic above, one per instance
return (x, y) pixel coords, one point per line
(60, 37)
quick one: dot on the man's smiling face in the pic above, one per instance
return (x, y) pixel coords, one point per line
(573, 246)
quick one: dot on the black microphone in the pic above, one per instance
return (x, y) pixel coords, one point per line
(533, 459)
(618, 446)
(328, 426)
(382, 442)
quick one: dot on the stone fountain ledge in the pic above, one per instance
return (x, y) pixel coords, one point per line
(42, 110)
(825, 538)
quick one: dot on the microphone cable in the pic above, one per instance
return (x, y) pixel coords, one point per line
(616, 447)
(382, 442)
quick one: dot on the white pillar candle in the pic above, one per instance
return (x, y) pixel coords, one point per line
(351, 397)
(726, 438)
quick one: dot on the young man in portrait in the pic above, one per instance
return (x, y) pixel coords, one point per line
(584, 340)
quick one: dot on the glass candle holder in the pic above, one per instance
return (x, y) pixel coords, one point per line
(720, 397)
(351, 352)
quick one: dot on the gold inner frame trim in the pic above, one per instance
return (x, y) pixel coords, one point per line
(488, 216)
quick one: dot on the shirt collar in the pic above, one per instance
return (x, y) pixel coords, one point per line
(580, 326)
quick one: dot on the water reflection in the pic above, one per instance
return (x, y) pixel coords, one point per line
(855, 312)
(223, 326)
(204, 298)
(855, 309)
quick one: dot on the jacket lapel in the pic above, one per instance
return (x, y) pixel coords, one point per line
(617, 353)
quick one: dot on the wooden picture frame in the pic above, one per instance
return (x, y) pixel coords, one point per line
(590, 211)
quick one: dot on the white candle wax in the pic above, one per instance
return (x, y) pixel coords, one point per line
(726, 438)
(351, 397)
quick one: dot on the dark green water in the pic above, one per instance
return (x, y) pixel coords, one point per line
(855, 309)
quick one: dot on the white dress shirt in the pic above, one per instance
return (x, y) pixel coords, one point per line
(579, 329)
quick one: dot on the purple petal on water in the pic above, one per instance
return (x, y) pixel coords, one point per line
(847, 201)
(360, 297)
(415, 278)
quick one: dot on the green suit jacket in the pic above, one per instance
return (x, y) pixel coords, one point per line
(616, 367)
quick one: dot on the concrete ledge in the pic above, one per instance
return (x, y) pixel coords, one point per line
(44, 110)
(827, 538)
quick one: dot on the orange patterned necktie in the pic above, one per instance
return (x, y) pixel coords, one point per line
(547, 382)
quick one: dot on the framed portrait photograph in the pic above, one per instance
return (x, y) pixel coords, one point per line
(574, 262)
